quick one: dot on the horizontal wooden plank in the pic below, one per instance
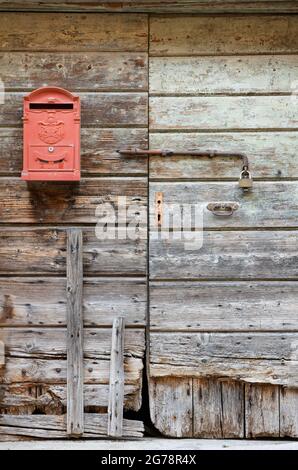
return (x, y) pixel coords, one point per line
(42, 301)
(226, 255)
(156, 6)
(238, 35)
(251, 357)
(59, 32)
(54, 427)
(75, 70)
(222, 113)
(271, 154)
(223, 306)
(52, 398)
(99, 154)
(46, 343)
(85, 202)
(98, 109)
(266, 205)
(44, 251)
(224, 75)
(28, 370)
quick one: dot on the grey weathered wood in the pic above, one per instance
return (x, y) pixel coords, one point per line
(223, 75)
(222, 113)
(52, 398)
(252, 357)
(50, 343)
(226, 255)
(271, 155)
(58, 32)
(27, 370)
(171, 407)
(266, 205)
(119, 109)
(41, 301)
(232, 393)
(116, 392)
(55, 203)
(239, 35)
(98, 151)
(207, 406)
(37, 251)
(54, 427)
(97, 71)
(261, 410)
(288, 412)
(218, 409)
(223, 306)
(75, 347)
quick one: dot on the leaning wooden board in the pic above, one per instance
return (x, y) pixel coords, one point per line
(223, 343)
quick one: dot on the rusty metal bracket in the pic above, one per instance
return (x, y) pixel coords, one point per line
(169, 153)
(158, 208)
(209, 154)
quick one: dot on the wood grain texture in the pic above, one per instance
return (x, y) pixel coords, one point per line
(253, 357)
(156, 6)
(75, 346)
(235, 35)
(42, 301)
(54, 427)
(116, 386)
(20, 370)
(171, 406)
(50, 343)
(97, 109)
(218, 409)
(91, 71)
(43, 251)
(271, 155)
(223, 306)
(266, 205)
(288, 412)
(222, 113)
(73, 32)
(261, 411)
(222, 75)
(65, 202)
(227, 255)
(99, 154)
(52, 398)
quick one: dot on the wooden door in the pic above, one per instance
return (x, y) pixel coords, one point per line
(103, 58)
(223, 317)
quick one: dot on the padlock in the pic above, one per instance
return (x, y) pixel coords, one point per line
(245, 180)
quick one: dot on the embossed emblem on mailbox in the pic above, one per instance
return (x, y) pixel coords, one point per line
(51, 135)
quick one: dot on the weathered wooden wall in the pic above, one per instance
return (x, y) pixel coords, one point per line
(103, 58)
(223, 322)
(223, 331)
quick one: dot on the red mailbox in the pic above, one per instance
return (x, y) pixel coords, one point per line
(51, 135)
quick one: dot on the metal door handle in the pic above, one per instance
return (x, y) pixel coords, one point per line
(222, 209)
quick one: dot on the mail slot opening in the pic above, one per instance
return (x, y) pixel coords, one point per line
(50, 106)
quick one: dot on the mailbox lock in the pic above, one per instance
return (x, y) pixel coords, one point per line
(51, 149)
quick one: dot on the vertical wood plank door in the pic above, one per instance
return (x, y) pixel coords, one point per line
(223, 293)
